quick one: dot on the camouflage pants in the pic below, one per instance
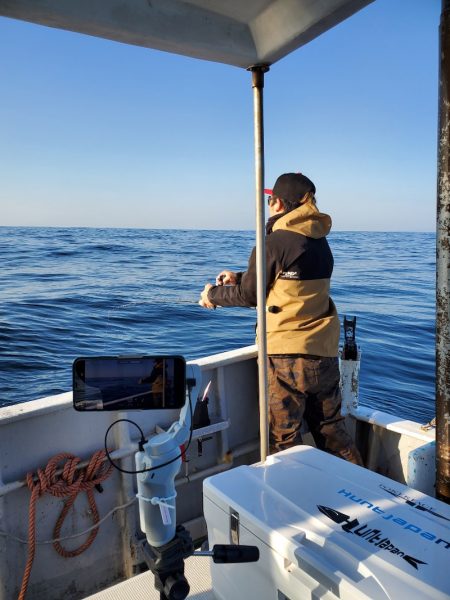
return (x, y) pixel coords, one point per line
(307, 388)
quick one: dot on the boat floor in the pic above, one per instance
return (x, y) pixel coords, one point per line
(142, 587)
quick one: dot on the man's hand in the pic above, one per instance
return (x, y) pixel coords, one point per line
(204, 300)
(226, 278)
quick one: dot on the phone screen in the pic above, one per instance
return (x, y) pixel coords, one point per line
(129, 383)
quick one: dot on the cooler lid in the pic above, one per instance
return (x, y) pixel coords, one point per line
(324, 513)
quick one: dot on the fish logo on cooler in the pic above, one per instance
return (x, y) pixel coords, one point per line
(372, 536)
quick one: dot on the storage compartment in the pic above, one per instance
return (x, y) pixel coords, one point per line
(326, 529)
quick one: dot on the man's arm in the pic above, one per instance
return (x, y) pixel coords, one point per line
(244, 292)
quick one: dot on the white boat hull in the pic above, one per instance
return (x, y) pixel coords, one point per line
(31, 433)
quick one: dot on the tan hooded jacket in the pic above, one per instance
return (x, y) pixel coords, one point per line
(305, 319)
(301, 317)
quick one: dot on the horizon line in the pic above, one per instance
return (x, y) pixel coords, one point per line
(203, 229)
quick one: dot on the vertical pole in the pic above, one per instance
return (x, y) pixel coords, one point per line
(443, 266)
(258, 86)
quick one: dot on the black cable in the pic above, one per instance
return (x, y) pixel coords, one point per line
(143, 441)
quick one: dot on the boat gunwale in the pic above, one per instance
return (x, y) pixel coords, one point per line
(63, 401)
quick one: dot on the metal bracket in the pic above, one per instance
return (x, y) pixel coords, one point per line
(234, 526)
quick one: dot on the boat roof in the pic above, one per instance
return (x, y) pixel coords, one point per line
(243, 33)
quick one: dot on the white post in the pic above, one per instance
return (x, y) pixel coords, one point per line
(350, 384)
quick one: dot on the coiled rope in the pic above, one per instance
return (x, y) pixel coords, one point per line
(67, 484)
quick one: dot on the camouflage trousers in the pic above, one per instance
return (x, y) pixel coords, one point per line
(307, 388)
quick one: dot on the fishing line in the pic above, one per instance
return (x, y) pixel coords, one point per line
(165, 300)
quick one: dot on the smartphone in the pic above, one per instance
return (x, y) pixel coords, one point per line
(129, 382)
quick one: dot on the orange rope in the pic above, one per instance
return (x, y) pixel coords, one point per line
(67, 484)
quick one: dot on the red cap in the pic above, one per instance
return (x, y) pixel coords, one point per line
(268, 192)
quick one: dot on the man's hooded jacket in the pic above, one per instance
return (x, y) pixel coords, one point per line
(301, 317)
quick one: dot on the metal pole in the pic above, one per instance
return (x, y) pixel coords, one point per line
(258, 85)
(443, 267)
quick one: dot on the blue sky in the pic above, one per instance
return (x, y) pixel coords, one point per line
(97, 133)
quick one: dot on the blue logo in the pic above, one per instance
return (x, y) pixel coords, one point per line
(427, 535)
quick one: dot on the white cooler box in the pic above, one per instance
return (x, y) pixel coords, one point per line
(326, 529)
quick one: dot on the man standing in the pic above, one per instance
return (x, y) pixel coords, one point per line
(302, 322)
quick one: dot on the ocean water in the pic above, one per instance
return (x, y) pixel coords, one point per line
(68, 292)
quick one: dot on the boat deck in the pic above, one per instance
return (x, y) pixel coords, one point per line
(142, 587)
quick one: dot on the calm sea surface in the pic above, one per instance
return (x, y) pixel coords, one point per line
(76, 292)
